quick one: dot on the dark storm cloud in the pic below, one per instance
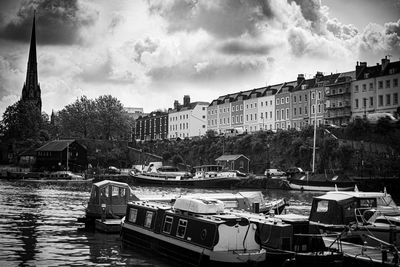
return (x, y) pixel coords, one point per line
(57, 22)
(243, 48)
(224, 18)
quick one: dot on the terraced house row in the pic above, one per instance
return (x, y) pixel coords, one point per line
(324, 99)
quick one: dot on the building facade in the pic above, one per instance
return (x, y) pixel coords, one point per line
(153, 126)
(187, 120)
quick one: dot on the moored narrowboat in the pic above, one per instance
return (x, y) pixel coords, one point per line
(194, 231)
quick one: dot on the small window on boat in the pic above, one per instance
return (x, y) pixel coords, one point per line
(149, 218)
(180, 232)
(322, 206)
(168, 224)
(367, 203)
(115, 191)
(132, 215)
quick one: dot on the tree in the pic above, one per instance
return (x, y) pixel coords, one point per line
(21, 121)
(112, 120)
(78, 119)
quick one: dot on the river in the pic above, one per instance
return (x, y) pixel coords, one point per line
(38, 226)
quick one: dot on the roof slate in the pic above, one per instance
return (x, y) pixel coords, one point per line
(56, 145)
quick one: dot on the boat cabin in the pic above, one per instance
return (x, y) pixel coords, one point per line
(109, 197)
(340, 208)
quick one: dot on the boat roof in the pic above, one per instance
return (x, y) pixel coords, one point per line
(335, 196)
(107, 182)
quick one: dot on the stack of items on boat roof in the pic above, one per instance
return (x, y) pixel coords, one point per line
(108, 201)
(201, 231)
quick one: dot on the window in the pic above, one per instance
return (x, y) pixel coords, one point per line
(132, 215)
(395, 99)
(247, 106)
(251, 105)
(305, 98)
(149, 218)
(294, 111)
(282, 100)
(299, 98)
(364, 102)
(380, 84)
(313, 109)
(247, 117)
(356, 103)
(371, 101)
(277, 101)
(270, 114)
(241, 107)
(262, 103)
(255, 105)
(255, 116)
(251, 117)
(371, 86)
(356, 89)
(319, 108)
(233, 108)
(287, 99)
(181, 230)
(364, 86)
(270, 102)
(299, 110)
(168, 224)
(387, 100)
(266, 115)
(287, 113)
(395, 82)
(266, 103)
(283, 114)
(312, 95)
(319, 95)
(305, 111)
(380, 100)
(237, 118)
(277, 115)
(387, 83)
(294, 99)
(233, 119)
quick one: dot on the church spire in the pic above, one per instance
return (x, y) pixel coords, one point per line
(31, 89)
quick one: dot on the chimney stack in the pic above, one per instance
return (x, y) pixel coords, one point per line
(176, 104)
(385, 61)
(300, 78)
(186, 100)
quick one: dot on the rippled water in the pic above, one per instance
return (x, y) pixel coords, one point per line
(38, 227)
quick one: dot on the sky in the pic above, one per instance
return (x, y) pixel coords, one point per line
(149, 53)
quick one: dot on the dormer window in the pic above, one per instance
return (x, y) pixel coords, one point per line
(366, 75)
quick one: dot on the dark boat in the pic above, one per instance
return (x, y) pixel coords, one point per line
(320, 182)
(290, 241)
(206, 176)
(107, 200)
(193, 231)
(370, 218)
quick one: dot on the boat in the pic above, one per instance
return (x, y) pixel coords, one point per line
(361, 217)
(290, 241)
(206, 176)
(320, 182)
(108, 201)
(193, 231)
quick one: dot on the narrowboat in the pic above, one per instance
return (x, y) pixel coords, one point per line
(371, 218)
(206, 176)
(194, 231)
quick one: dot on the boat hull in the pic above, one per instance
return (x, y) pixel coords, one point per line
(184, 252)
(211, 182)
(320, 187)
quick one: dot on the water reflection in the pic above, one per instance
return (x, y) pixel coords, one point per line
(38, 227)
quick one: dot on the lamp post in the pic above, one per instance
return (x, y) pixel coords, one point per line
(268, 163)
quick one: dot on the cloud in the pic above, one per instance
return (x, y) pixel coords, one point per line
(222, 19)
(144, 46)
(57, 21)
(244, 48)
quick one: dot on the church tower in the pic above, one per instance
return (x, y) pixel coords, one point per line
(31, 89)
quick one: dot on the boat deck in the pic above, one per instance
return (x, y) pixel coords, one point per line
(108, 225)
(360, 255)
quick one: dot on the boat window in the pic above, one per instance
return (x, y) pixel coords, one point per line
(349, 210)
(114, 191)
(180, 232)
(322, 206)
(168, 224)
(149, 218)
(367, 203)
(386, 201)
(93, 196)
(132, 215)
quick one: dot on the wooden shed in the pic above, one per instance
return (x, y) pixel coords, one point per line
(61, 155)
(234, 162)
